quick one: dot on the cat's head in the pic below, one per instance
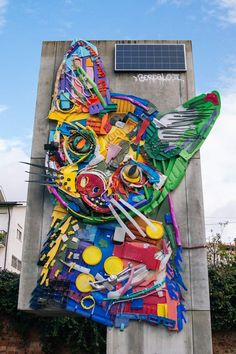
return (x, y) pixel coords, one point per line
(106, 152)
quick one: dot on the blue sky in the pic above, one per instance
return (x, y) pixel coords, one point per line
(210, 25)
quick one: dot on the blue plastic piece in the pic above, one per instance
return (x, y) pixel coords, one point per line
(137, 304)
(168, 218)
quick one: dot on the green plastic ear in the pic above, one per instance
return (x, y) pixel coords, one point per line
(184, 129)
(182, 135)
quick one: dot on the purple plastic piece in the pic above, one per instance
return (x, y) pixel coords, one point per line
(170, 148)
(95, 108)
(175, 225)
(136, 103)
(52, 272)
(54, 192)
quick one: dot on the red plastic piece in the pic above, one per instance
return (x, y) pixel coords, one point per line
(142, 130)
(212, 97)
(139, 252)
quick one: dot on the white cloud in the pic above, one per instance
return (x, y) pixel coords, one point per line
(12, 174)
(3, 8)
(218, 162)
(159, 3)
(3, 108)
(229, 10)
(223, 10)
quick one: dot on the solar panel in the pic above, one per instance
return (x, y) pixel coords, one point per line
(150, 57)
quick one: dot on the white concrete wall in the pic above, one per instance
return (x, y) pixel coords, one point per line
(3, 226)
(14, 245)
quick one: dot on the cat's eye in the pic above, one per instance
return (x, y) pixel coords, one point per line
(81, 143)
(131, 173)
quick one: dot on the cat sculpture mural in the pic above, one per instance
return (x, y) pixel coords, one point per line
(113, 252)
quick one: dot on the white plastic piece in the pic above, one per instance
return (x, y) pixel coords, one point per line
(76, 267)
(129, 217)
(137, 212)
(119, 235)
(122, 224)
(138, 277)
(75, 227)
(64, 238)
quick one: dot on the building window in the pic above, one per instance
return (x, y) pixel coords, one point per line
(15, 263)
(19, 234)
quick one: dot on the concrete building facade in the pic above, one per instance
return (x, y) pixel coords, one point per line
(166, 91)
(12, 219)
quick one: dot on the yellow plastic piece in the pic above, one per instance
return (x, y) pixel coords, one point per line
(92, 255)
(68, 116)
(115, 136)
(123, 106)
(43, 274)
(89, 62)
(72, 267)
(133, 154)
(57, 272)
(69, 173)
(65, 226)
(70, 255)
(63, 247)
(113, 265)
(82, 282)
(162, 310)
(156, 234)
(90, 298)
(129, 179)
(53, 251)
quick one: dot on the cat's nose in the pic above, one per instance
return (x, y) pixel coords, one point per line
(91, 183)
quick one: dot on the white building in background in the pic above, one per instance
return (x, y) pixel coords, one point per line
(12, 220)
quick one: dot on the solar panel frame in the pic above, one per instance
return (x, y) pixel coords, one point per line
(135, 54)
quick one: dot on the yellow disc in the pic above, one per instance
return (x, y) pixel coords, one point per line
(82, 282)
(92, 255)
(113, 265)
(156, 233)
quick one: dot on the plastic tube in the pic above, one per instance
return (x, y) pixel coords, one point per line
(175, 225)
(54, 192)
(122, 224)
(129, 217)
(137, 212)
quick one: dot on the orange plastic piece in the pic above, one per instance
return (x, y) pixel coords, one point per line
(89, 62)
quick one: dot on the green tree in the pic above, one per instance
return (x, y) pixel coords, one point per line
(222, 283)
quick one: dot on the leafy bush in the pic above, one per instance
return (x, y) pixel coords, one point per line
(79, 334)
(222, 283)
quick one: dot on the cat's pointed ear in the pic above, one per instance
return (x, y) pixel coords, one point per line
(81, 84)
(183, 130)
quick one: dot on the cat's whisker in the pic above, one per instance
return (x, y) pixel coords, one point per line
(43, 184)
(129, 217)
(120, 222)
(41, 175)
(42, 167)
(138, 213)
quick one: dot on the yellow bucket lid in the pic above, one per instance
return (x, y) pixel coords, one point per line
(82, 282)
(113, 265)
(156, 234)
(92, 255)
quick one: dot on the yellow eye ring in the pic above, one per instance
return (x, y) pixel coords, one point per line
(130, 179)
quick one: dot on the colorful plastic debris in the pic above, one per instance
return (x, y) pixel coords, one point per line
(111, 160)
